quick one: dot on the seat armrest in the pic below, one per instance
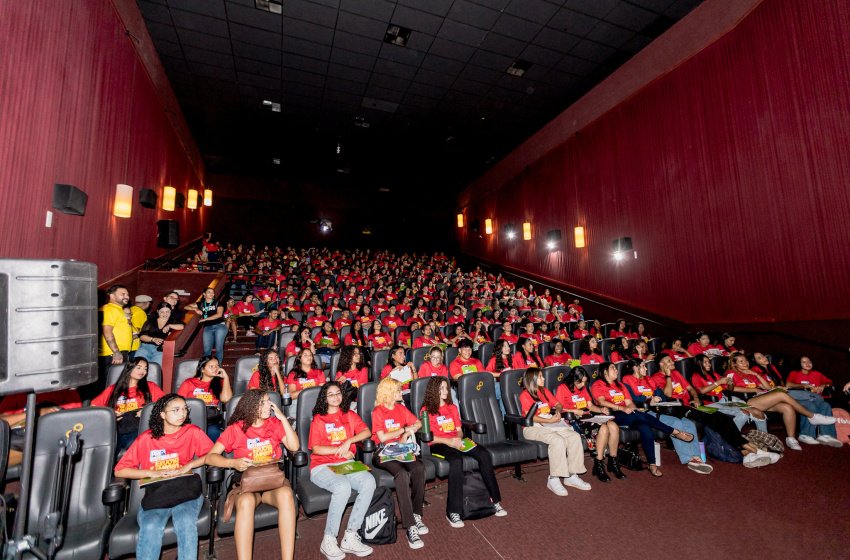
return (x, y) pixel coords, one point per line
(476, 427)
(215, 475)
(367, 445)
(520, 420)
(642, 405)
(425, 437)
(299, 459)
(567, 415)
(113, 494)
(285, 401)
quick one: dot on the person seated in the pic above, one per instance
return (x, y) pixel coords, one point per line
(478, 334)
(229, 319)
(392, 321)
(326, 342)
(727, 345)
(458, 334)
(566, 452)
(356, 336)
(527, 331)
(396, 363)
(558, 356)
(456, 317)
(526, 355)
(444, 421)
(596, 330)
(289, 305)
(267, 331)
(641, 332)
(155, 331)
(610, 393)
(427, 338)
(641, 351)
(507, 327)
(465, 363)
(268, 377)
(352, 368)
(211, 384)
(333, 432)
(417, 318)
(345, 320)
(712, 386)
(621, 330)
(620, 351)
(747, 381)
(171, 447)
(303, 375)
(299, 342)
(378, 339)
(392, 423)
(580, 330)
(254, 435)
(246, 314)
(589, 349)
(677, 351)
(130, 393)
(317, 319)
(806, 386)
(703, 346)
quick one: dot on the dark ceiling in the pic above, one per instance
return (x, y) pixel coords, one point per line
(354, 108)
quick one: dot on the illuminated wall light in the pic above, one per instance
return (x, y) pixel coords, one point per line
(168, 196)
(526, 231)
(192, 202)
(460, 220)
(579, 237)
(123, 207)
(207, 197)
(488, 226)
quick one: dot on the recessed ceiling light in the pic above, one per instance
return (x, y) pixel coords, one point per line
(276, 161)
(397, 35)
(383, 189)
(519, 67)
(273, 6)
(361, 122)
(275, 107)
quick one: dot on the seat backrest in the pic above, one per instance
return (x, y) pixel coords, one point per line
(720, 364)
(283, 339)
(366, 401)
(231, 404)
(621, 369)
(606, 345)
(654, 345)
(554, 376)
(450, 354)
(379, 360)
(335, 316)
(92, 467)
(184, 371)
(512, 386)
(197, 415)
(314, 331)
(334, 364)
(290, 363)
(485, 352)
(651, 367)
(686, 368)
(304, 418)
(245, 368)
(781, 361)
(570, 326)
(343, 332)
(298, 316)
(497, 332)
(417, 394)
(419, 355)
(154, 374)
(477, 396)
(607, 328)
(592, 373)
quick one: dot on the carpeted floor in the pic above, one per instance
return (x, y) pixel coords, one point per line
(798, 508)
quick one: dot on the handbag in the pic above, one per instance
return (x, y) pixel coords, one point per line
(254, 479)
(172, 492)
(629, 459)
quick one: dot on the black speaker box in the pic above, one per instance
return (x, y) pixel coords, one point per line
(147, 198)
(68, 199)
(179, 200)
(168, 234)
(49, 327)
(622, 244)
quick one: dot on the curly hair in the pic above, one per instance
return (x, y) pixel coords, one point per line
(248, 409)
(156, 422)
(346, 358)
(585, 346)
(122, 385)
(267, 378)
(385, 394)
(321, 406)
(431, 402)
(499, 363)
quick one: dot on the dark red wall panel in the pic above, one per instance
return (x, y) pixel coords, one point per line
(77, 107)
(730, 174)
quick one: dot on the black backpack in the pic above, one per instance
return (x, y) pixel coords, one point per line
(718, 448)
(476, 498)
(379, 525)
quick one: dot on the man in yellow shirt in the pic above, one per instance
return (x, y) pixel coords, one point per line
(116, 339)
(138, 318)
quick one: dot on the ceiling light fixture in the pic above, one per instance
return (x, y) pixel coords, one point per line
(519, 67)
(397, 35)
(273, 6)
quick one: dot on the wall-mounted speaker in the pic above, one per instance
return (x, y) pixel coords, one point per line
(68, 199)
(168, 234)
(148, 198)
(179, 200)
(623, 244)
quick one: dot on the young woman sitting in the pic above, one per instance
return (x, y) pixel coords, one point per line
(254, 434)
(268, 376)
(590, 353)
(677, 351)
(580, 330)
(572, 395)
(131, 392)
(712, 386)
(748, 382)
(397, 363)
(620, 351)
(333, 432)
(612, 394)
(444, 419)
(806, 386)
(211, 384)
(155, 331)
(391, 423)
(566, 452)
(558, 356)
(326, 343)
(352, 367)
(378, 339)
(299, 342)
(303, 375)
(169, 448)
(526, 355)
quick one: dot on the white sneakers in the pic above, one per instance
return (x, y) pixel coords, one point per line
(574, 481)
(555, 486)
(352, 545)
(698, 466)
(809, 440)
(756, 460)
(830, 441)
(454, 520)
(500, 511)
(420, 527)
(821, 420)
(793, 444)
(330, 549)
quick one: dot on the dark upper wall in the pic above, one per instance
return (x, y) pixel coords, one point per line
(77, 106)
(729, 173)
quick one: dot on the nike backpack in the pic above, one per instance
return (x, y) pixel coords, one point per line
(379, 526)
(476, 499)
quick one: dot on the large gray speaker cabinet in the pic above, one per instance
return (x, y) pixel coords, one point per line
(48, 325)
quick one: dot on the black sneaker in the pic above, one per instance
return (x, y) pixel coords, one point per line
(423, 530)
(413, 537)
(454, 520)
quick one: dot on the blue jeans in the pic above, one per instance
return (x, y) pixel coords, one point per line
(149, 352)
(813, 403)
(152, 526)
(643, 423)
(686, 450)
(266, 341)
(341, 485)
(498, 397)
(739, 418)
(214, 335)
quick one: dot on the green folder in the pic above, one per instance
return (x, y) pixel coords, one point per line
(349, 468)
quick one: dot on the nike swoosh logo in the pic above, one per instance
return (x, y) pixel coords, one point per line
(371, 534)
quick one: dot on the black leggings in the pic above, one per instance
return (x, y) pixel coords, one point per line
(406, 475)
(454, 503)
(643, 423)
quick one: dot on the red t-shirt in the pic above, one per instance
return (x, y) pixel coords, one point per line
(446, 423)
(357, 377)
(743, 379)
(16, 403)
(591, 359)
(332, 338)
(350, 341)
(578, 334)
(459, 367)
(194, 388)
(171, 451)
(292, 348)
(257, 444)
(387, 420)
(573, 400)
(367, 320)
(480, 337)
(133, 400)
(314, 378)
(403, 338)
(242, 307)
(553, 360)
(533, 336)
(386, 371)
(254, 382)
(381, 340)
(547, 402)
(644, 387)
(522, 363)
(316, 321)
(268, 324)
(696, 349)
(614, 394)
(511, 338)
(428, 370)
(333, 430)
(491, 365)
(699, 382)
(812, 379)
(680, 385)
(342, 323)
(674, 355)
(423, 341)
(455, 319)
(392, 321)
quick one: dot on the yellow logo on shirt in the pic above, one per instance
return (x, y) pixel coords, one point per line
(126, 405)
(161, 460)
(446, 423)
(337, 435)
(260, 449)
(205, 396)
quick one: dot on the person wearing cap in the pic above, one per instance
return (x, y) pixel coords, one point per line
(138, 318)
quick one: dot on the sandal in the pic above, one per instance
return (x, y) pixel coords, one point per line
(653, 470)
(684, 436)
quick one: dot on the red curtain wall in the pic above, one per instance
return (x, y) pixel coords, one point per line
(731, 175)
(77, 107)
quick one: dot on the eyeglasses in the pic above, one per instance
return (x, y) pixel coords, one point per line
(178, 410)
(334, 394)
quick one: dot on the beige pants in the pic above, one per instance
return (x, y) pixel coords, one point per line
(566, 453)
